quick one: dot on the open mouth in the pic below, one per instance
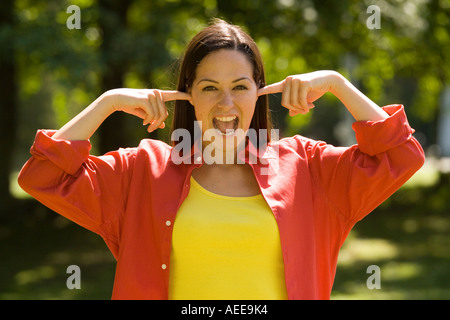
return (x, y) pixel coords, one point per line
(226, 125)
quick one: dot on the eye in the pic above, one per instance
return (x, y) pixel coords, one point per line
(240, 87)
(209, 88)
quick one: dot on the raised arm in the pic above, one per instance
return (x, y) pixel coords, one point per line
(147, 104)
(92, 191)
(355, 179)
(300, 91)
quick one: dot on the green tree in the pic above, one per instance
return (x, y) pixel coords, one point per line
(56, 72)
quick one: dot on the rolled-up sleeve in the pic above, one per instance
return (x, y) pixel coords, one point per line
(376, 137)
(88, 190)
(359, 178)
(66, 155)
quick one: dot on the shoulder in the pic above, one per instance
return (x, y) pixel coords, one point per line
(156, 147)
(152, 149)
(298, 144)
(300, 148)
(147, 148)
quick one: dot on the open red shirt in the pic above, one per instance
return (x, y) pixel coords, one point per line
(316, 191)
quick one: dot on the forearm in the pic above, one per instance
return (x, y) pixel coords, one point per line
(360, 106)
(83, 126)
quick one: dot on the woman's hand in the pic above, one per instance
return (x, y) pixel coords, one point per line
(147, 104)
(300, 91)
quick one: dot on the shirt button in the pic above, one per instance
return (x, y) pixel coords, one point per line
(163, 266)
(199, 159)
(168, 223)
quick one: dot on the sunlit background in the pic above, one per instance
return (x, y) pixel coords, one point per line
(49, 73)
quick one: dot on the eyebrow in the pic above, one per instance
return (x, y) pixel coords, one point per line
(234, 81)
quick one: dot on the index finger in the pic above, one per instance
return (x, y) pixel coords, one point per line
(271, 88)
(171, 95)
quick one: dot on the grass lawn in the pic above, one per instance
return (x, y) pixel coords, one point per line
(408, 238)
(36, 251)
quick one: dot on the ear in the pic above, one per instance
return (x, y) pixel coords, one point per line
(189, 90)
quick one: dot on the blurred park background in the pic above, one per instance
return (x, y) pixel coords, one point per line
(50, 72)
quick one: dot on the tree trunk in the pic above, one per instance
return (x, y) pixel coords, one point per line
(443, 128)
(112, 22)
(8, 103)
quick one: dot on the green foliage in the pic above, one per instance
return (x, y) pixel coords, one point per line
(294, 37)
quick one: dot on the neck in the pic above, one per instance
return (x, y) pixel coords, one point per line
(226, 153)
(216, 156)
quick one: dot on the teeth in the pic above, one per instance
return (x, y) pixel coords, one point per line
(229, 132)
(226, 119)
(222, 119)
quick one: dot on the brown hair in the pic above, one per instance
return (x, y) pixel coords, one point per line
(220, 35)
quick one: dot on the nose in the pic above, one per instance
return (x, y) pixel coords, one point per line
(226, 100)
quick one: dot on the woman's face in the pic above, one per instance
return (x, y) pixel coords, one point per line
(224, 93)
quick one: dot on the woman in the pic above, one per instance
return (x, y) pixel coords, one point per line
(214, 227)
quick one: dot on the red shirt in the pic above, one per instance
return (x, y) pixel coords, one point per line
(316, 191)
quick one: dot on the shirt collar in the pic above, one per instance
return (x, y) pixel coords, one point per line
(249, 155)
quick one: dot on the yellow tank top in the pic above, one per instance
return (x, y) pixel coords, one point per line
(225, 248)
